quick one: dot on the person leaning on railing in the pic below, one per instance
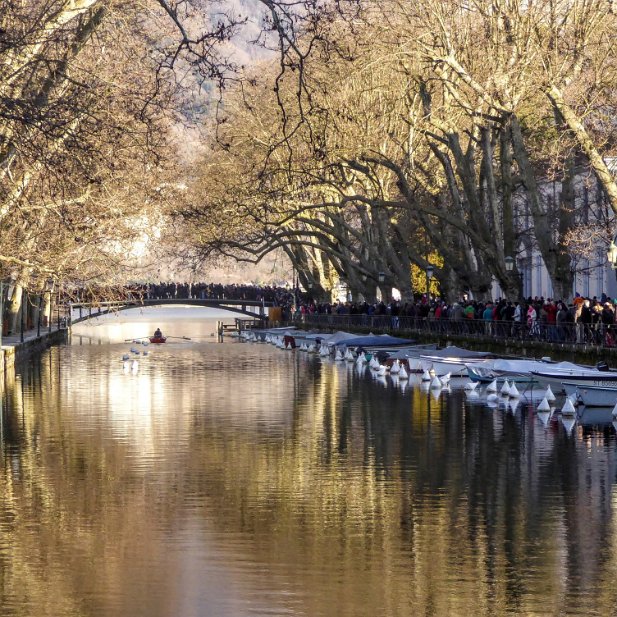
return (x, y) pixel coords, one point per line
(608, 320)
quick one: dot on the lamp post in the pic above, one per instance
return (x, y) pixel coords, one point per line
(38, 316)
(611, 255)
(49, 286)
(381, 277)
(509, 262)
(430, 270)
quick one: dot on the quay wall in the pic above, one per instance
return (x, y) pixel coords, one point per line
(16, 351)
(585, 353)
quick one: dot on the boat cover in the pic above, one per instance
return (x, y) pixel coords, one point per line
(412, 351)
(372, 340)
(458, 352)
(334, 339)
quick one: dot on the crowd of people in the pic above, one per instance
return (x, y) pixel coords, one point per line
(271, 294)
(583, 320)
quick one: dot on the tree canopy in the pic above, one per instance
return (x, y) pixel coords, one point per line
(365, 140)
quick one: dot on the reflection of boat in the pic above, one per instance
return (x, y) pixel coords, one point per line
(597, 416)
(157, 340)
(592, 396)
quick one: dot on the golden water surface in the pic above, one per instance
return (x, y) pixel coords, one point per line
(237, 479)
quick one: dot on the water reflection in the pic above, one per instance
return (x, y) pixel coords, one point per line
(238, 479)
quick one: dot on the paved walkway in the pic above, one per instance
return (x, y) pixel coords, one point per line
(14, 341)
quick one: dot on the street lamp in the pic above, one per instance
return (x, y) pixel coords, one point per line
(611, 255)
(430, 270)
(49, 286)
(509, 261)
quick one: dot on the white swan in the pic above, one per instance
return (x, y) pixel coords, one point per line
(402, 374)
(544, 405)
(426, 376)
(549, 396)
(505, 389)
(514, 393)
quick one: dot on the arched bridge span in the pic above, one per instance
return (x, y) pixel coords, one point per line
(80, 311)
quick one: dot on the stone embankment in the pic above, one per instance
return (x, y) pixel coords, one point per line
(16, 347)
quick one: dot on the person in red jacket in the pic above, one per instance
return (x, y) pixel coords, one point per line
(551, 319)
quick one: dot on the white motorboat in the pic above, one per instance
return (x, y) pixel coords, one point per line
(592, 396)
(514, 370)
(579, 375)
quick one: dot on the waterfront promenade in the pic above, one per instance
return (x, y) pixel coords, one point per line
(17, 345)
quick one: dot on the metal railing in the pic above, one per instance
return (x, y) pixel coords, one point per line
(599, 334)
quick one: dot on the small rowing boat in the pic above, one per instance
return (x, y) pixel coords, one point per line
(157, 340)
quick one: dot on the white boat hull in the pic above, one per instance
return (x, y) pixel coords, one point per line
(594, 378)
(592, 396)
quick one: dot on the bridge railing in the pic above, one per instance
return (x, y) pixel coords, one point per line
(86, 310)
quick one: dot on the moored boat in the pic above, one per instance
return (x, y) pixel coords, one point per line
(411, 355)
(579, 375)
(374, 342)
(592, 396)
(452, 360)
(514, 370)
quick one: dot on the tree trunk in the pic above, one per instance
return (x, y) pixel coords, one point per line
(14, 310)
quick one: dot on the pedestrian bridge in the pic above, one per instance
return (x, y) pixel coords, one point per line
(80, 311)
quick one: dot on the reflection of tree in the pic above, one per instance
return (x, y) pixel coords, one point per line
(354, 498)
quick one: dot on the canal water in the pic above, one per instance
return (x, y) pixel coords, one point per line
(236, 479)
